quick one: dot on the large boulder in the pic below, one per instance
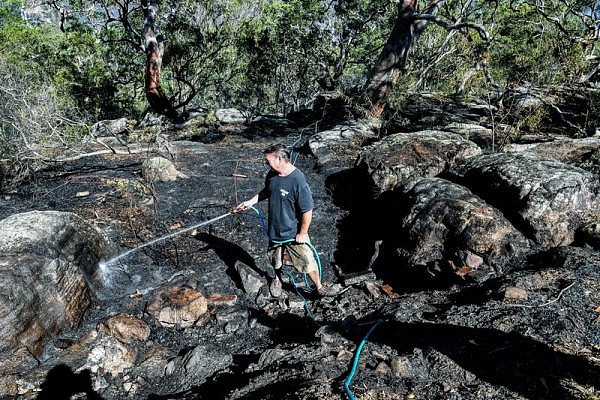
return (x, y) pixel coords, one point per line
(48, 259)
(571, 151)
(160, 169)
(546, 199)
(402, 155)
(341, 144)
(448, 226)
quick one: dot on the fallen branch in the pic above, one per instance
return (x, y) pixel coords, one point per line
(546, 303)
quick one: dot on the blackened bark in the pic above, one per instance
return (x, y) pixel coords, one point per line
(154, 51)
(394, 54)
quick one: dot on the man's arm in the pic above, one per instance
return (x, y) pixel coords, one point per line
(244, 205)
(305, 220)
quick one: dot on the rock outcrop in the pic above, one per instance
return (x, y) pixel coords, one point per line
(49, 267)
(545, 199)
(427, 153)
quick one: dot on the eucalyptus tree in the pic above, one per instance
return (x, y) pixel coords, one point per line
(129, 29)
(409, 25)
(438, 43)
(161, 50)
(154, 49)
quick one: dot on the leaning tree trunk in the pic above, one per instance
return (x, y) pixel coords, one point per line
(154, 51)
(391, 61)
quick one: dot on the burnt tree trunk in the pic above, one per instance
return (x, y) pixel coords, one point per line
(393, 56)
(154, 51)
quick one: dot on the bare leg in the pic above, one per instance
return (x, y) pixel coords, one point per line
(276, 284)
(278, 274)
(314, 276)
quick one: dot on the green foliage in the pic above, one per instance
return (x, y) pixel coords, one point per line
(200, 58)
(75, 61)
(86, 70)
(9, 11)
(540, 46)
(522, 48)
(276, 55)
(282, 50)
(297, 49)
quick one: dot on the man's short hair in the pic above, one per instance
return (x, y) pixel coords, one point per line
(279, 149)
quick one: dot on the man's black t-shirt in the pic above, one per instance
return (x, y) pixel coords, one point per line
(289, 197)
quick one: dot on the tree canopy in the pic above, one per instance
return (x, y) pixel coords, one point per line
(275, 56)
(85, 58)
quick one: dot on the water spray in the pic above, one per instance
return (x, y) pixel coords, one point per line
(104, 264)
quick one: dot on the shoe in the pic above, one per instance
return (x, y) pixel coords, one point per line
(326, 290)
(275, 287)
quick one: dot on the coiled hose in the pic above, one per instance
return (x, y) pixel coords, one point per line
(309, 313)
(264, 227)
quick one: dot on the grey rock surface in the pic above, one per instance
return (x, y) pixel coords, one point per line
(49, 262)
(426, 153)
(546, 199)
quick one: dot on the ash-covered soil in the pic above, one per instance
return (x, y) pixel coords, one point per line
(434, 339)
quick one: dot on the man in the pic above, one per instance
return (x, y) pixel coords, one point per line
(290, 215)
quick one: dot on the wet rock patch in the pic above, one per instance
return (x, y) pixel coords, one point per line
(49, 266)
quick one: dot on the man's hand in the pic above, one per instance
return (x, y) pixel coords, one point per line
(240, 207)
(244, 205)
(302, 238)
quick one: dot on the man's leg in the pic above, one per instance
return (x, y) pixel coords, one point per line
(314, 277)
(276, 284)
(275, 255)
(304, 261)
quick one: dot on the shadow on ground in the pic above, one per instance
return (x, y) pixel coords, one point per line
(516, 362)
(369, 233)
(62, 383)
(230, 254)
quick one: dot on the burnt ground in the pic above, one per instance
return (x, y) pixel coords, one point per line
(443, 339)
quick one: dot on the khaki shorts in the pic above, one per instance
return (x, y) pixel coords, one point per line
(299, 254)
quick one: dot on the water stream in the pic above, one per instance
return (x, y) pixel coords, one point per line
(104, 264)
